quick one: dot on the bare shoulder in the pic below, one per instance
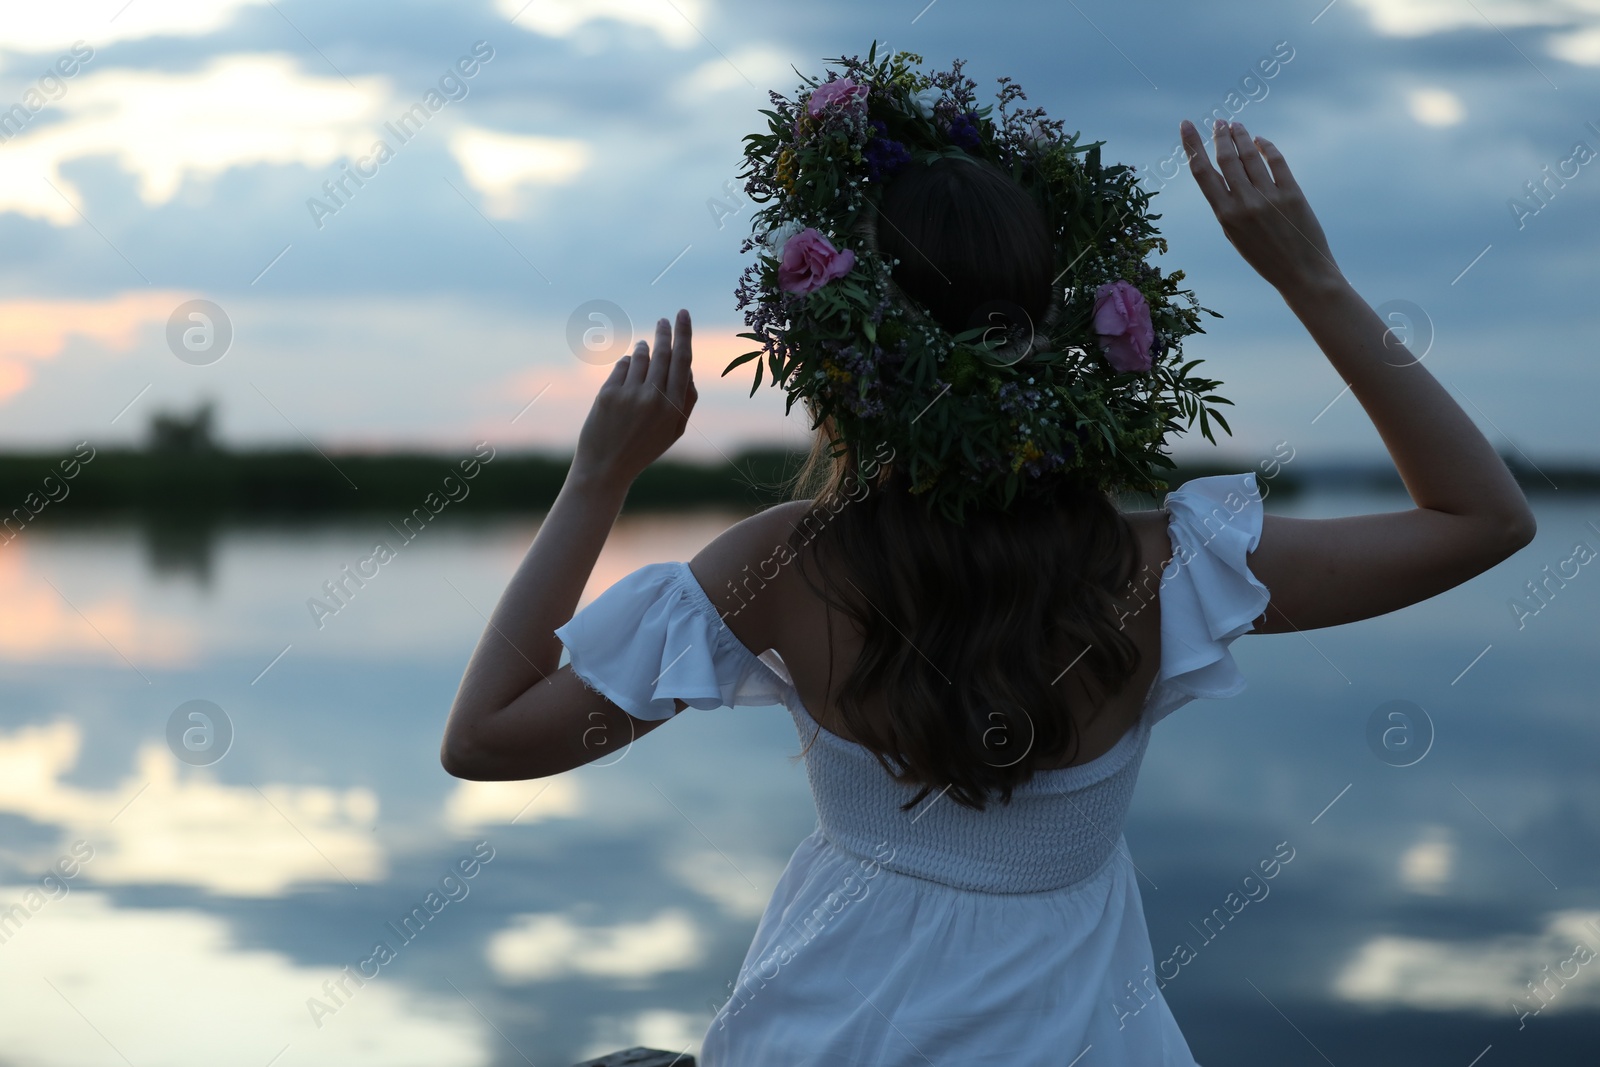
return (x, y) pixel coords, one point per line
(745, 575)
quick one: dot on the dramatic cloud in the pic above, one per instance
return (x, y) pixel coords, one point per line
(504, 166)
(674, 23)
(174, 986)
(1428, 865)
(162, 827)
(165, 128)
(473, 805)
(763, 65)
(1577, 22)
(540, 948)
(741, 889)
(1435, 107)
(1487, 976)
(51, 27)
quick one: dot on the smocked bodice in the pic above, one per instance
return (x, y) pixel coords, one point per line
(1060, 827)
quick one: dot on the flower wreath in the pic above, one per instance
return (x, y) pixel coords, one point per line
(1088, 393)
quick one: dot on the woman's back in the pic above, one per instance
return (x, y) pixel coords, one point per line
(819, 643)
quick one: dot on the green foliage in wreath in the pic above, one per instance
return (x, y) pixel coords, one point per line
(983, 416)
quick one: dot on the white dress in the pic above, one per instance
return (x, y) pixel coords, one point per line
(941, 934)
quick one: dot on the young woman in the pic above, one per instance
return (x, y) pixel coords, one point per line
(919, 923)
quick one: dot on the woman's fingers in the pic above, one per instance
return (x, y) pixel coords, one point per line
(1255, 168)
(643, 405)
(1212, 187)
(1228, 161)
(1260, 206)
(638, 363)
(1248, 171)
(661, 354)
(663, 370)
(619, 371)
(680, 378)
(1279, 165)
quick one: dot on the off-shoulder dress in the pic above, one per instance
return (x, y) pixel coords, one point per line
(942, 934)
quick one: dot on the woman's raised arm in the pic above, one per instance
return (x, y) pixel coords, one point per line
(1470, 513)
(495, 728)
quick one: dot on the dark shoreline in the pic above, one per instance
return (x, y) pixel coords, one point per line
(297, 484)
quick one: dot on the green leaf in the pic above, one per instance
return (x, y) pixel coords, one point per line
(742, 359)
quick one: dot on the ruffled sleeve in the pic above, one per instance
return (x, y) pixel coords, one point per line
(655, 637)
(1208, 595)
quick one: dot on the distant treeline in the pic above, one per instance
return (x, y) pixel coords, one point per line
(226, 483)
(287, 482)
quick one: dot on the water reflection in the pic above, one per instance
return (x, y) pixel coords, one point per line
(161, 825)
(240, 907)
(181, 546)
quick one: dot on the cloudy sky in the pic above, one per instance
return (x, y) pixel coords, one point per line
(591, 155)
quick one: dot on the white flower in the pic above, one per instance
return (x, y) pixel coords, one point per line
(925, 100)
(778, 236)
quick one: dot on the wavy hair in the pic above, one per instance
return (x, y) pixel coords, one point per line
(967, 629)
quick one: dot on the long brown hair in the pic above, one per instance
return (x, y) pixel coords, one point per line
(967, 629)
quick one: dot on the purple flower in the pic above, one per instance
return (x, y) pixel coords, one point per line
(884, 157)
(964, 131)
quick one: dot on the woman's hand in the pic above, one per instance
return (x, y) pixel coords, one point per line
(511, 715)
(641, 409)
(1262, 212)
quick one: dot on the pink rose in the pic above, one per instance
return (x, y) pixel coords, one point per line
(1122, 319)
(810, 261)
(843, 91)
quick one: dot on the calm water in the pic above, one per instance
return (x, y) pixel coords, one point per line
(158, 912)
